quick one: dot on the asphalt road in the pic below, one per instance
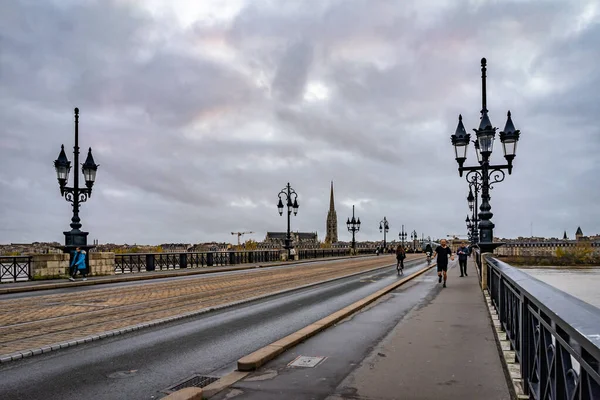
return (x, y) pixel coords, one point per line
(142, 365)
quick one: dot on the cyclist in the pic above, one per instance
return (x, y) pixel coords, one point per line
(400, 256)
(428, 252)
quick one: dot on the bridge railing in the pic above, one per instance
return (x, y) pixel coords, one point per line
(15, 268)
(305, 254)
(555, 336)
(139, 262)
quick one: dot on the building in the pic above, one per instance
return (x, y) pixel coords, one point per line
(300, 240)
(16, 249)
(547, 247)
(332, 232)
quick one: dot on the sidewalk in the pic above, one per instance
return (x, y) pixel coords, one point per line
(444, 350)
(47, 284)
(420, 342)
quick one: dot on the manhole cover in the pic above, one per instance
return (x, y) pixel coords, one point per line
(306, 362)
(122, 374)
(198, 381)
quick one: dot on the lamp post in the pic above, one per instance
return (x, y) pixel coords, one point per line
(414, 238)
(486, 173)
(384, 227)
(75, 195)
(402, 236)
(353, 226)
(288, 192)
(473, 200)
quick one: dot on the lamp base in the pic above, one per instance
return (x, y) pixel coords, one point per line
(75, 237)
(489, 246)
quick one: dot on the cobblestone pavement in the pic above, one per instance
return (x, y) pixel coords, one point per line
(45, 320)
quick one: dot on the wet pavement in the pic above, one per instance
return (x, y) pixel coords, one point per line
(142, 364)
(419, 342)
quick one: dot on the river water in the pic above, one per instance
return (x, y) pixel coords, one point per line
(580, 283)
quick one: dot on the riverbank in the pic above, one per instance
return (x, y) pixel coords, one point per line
(557, 267)
(549, 262)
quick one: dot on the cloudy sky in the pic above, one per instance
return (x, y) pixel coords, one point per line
(200, 112)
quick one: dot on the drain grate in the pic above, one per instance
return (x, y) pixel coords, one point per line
(198, 381)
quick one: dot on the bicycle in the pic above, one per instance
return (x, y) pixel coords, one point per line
(400, 267)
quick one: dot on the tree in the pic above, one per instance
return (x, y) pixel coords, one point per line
(250, 245)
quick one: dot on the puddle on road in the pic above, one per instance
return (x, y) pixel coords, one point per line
(268, 374)
(122, 374)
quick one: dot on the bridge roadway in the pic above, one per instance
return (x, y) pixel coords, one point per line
(164, 354)
(31, 323)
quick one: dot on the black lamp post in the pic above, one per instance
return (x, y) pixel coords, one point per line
(473, 203)
(288, 192)
(75, 195)
(414, 238)
(353, 226)
(488, 174)
(384, 227)
(402, 236)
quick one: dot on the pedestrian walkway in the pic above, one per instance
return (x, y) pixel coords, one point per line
(442, 346)
(444, 350)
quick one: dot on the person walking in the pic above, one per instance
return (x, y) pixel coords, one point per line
(442, 252)
(77, 264)
(400, 256)
(463, 253)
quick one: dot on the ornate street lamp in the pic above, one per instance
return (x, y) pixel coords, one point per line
(475, 183)
(384, 227)
(486, 173)
(402, 236)
(75, 195)
(414, 238)
(353, 226)
(288, 192)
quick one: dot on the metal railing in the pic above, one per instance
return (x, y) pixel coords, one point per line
(305, 254)
(139, 262)
(15, 268)
(555, 336)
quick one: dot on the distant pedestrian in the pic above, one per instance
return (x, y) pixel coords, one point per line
(77, 264)
(463, 253)
(400, 256)
(442, 252)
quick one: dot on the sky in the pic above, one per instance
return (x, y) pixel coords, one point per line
(200, 112)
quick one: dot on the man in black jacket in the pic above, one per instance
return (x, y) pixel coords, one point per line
(442, 252)
(463, 253)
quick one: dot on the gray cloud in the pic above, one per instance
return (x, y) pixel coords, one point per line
(197, 128)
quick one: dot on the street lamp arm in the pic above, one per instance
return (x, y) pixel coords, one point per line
(82, 196)
(496, 176)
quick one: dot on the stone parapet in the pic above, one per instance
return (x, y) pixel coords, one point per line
(49, 266)
(102, 263)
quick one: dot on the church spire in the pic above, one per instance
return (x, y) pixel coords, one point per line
(332, 233)
(331, 205)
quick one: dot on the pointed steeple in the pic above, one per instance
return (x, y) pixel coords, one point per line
(332, 233)
(565, 236)
(331, 203)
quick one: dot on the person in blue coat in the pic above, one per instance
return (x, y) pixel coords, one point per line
(77, 264)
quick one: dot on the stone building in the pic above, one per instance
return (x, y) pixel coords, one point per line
(300, 240)
(332, 231)
(537, 246)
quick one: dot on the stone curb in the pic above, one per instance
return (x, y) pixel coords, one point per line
(254, 360)
(4, 358)
(141, 276)
(508, 356)
(189, 393)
